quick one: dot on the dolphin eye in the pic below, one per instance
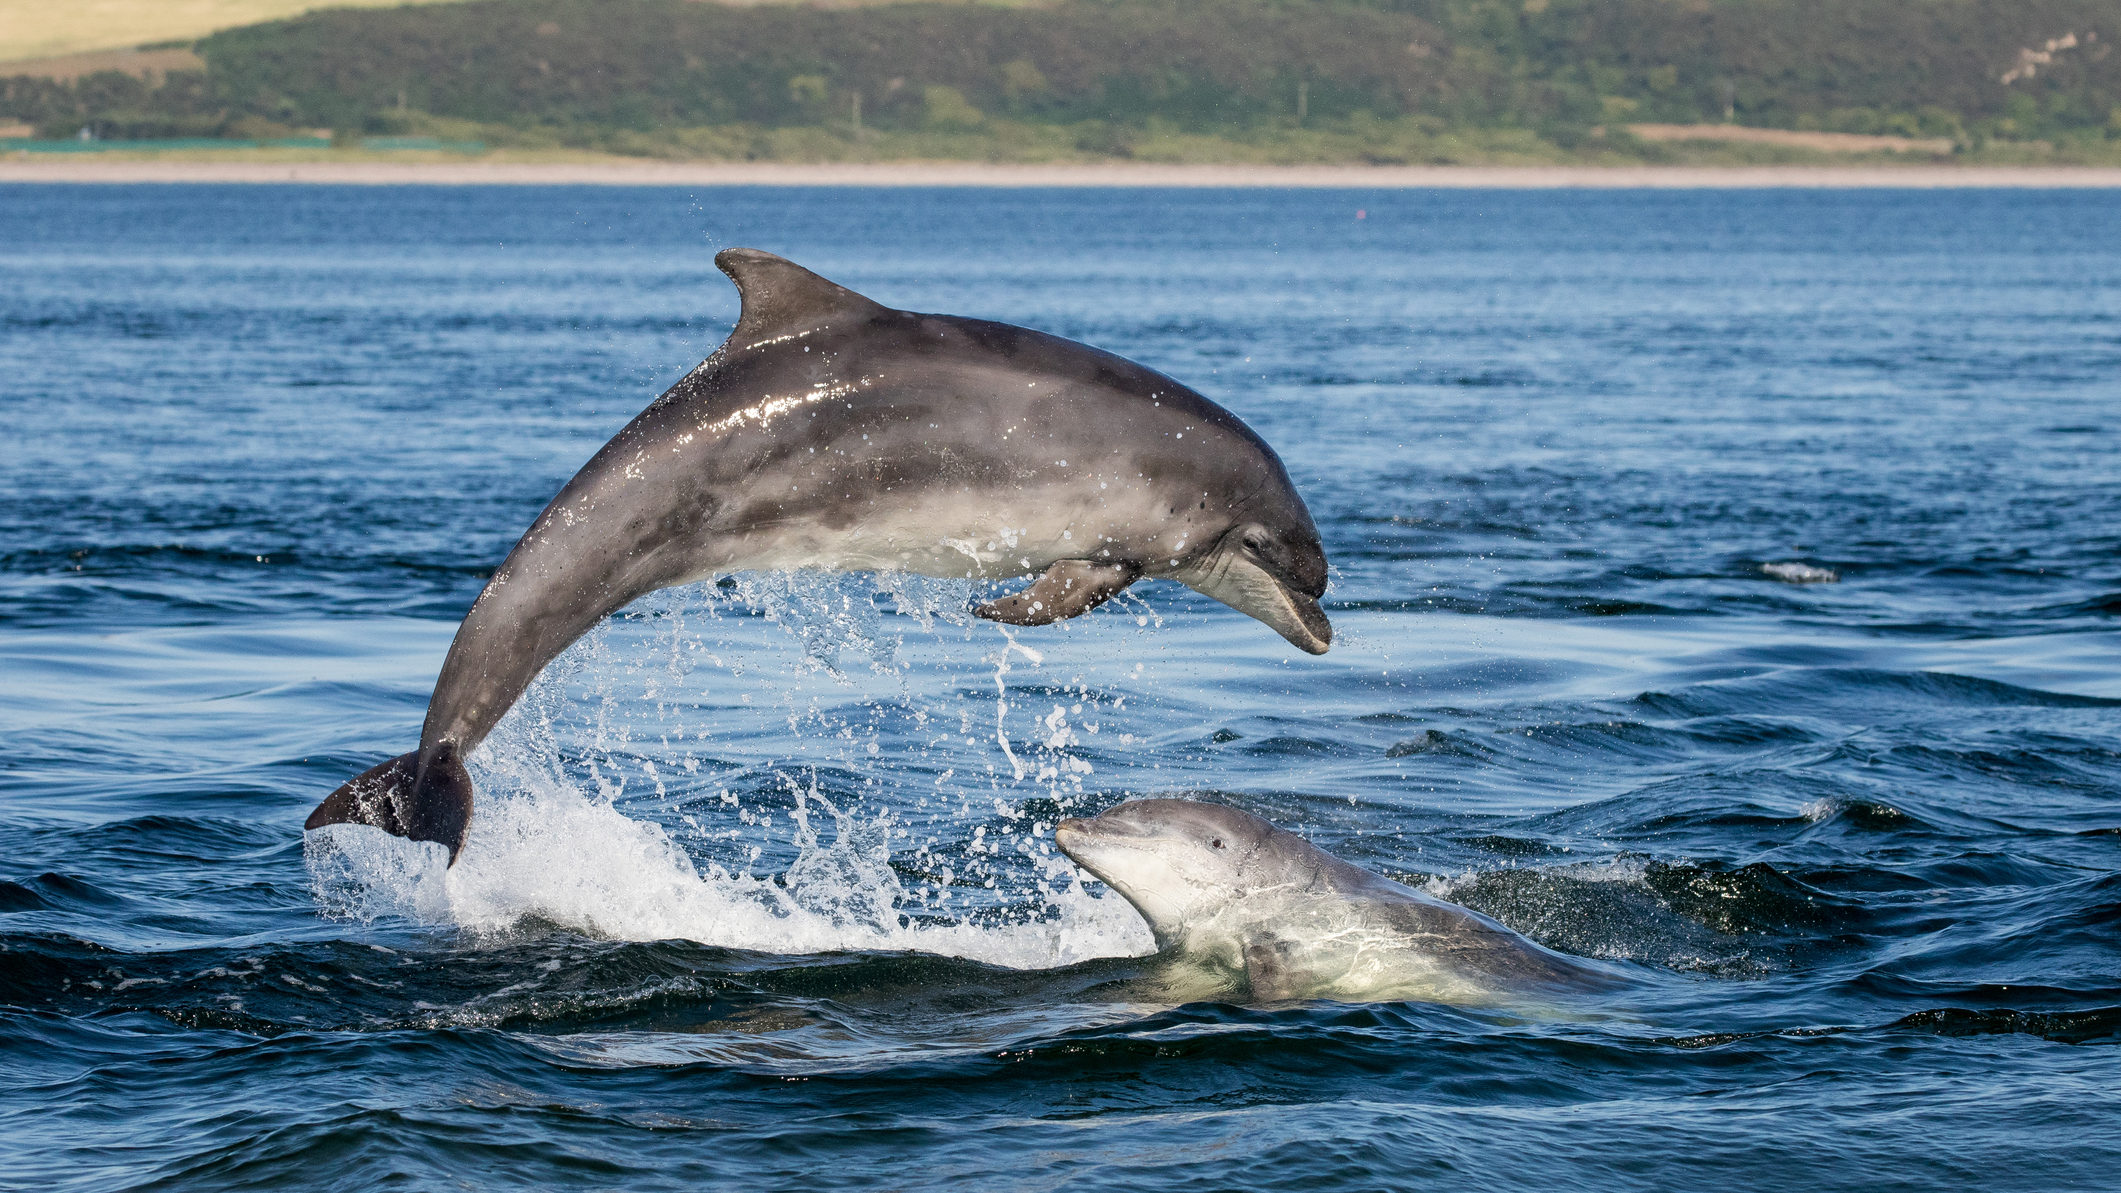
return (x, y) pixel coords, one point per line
(1217, 842)
(1256, 541)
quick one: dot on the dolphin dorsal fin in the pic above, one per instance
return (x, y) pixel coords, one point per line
(782, 298)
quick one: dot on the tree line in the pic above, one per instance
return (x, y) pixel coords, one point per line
(581, 69)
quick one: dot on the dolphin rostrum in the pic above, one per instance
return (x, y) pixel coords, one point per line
(830, 431)
(1230, 892)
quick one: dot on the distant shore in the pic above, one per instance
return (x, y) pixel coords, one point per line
(1117, 174)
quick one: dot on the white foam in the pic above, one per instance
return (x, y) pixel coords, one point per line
(579, 863)
(1800, 573)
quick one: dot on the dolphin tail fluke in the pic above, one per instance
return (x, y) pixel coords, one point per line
(402, 801)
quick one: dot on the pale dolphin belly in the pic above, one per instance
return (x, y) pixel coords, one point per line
(949, 536)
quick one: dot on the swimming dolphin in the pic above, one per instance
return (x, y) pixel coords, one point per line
(830, 431)
(1226, 890)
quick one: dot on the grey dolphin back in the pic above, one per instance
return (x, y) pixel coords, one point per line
(578, 572)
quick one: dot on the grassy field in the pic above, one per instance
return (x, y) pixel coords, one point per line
(46, 28)
(142, 64)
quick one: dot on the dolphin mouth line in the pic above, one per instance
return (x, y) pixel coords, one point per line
(1254, 589)
(1309, 606)
(1086, 831)
(1072, 827)
(1156, 918)
(1285, 580)
(1098, 827)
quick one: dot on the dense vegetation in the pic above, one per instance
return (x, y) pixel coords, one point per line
(1107, 77)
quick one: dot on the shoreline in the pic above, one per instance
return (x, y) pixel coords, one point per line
(1113, 175)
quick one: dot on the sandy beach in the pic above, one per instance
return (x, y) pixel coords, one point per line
(970, 174)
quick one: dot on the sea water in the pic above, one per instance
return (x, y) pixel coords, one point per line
(1725, 587)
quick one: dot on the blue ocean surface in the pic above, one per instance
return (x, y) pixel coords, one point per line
(1726, 585)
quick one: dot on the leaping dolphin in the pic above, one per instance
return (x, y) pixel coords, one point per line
(1230, 892)
(830, 431)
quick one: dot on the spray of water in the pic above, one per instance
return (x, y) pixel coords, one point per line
(711, 767)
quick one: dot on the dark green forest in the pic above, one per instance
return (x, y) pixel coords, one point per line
(1103, 77)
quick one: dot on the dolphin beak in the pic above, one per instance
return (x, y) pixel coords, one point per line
(1254, 591)
(1072, 836)
(1078, 837)
(1099, 840)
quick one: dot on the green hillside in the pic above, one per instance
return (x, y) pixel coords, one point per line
(1394, 80)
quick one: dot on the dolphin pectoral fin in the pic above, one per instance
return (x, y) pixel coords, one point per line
(1257, 593)
(1068, 589)
(392, 797)
(1268, 971)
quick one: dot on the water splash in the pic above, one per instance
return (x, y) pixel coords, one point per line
(668, 760)
(1792, 572)
(556, 857)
